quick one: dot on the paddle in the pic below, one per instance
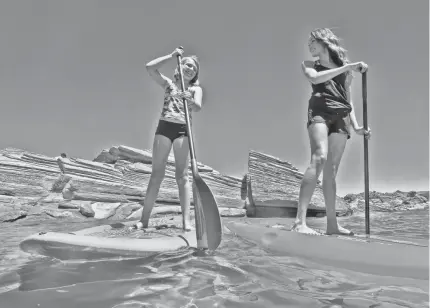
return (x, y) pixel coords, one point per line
(208, 220)
(366, 154)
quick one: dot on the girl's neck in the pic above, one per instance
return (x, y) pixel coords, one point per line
(324, 59)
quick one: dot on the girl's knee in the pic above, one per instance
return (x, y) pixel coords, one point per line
(181, 179)
(158, 174)
(331, 170)
(319, 158)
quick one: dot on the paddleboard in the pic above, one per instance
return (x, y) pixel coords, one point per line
(108, 241)
(376, 256)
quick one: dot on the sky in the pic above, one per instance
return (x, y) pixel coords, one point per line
(73, 79)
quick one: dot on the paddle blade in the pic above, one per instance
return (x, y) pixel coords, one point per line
(201, 233)
(206, 204)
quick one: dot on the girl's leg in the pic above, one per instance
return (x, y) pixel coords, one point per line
(336, 147)
(181, 150)
(319, 146)
(160, 152)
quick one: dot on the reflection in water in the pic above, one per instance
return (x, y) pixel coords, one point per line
(239, 274)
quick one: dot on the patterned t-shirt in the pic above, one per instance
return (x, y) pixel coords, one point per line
(173, 107)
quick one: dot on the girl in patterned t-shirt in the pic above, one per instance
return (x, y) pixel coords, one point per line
(172, 131)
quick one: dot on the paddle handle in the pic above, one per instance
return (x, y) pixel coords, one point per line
(187, 120)
(366, 154)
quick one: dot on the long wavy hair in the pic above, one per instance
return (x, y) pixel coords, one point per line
(195, 80)
(337, 53)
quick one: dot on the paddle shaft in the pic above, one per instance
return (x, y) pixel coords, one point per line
(366, 154)
(198, 209)
(187, 119)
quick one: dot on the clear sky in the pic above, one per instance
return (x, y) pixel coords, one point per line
(73, 79)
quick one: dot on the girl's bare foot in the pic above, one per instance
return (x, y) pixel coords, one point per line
(140, 225)
(187, 226)
(339, 230)
(301, 228)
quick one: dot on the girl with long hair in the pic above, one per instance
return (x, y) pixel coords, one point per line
(330, 117)
(172, 131)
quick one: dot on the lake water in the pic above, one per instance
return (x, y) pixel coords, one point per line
(239, 274)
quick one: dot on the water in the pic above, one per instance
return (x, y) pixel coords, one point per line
(239, 274)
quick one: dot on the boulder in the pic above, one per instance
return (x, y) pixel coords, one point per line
(86, 210)
(104, 210)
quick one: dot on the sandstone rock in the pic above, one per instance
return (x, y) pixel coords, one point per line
(274, 185)
(104, 210)
(22, 190)
(60, 183)
(129, 154)
(12, 216)
(25, 174)
(125, 210)
(135, 166)
(96, 197)
(110, 186)
(176, 210)
(126, 181)
(158, 210)
(8, 203)
(86, 210)
(72, 204)
(80, 168)
(106, 157)
(52, 198)
(168, 209)
(58, 214)
(232, 212)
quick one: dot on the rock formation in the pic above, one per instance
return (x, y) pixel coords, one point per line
(273, 189)
(108, 187)
(111, 187)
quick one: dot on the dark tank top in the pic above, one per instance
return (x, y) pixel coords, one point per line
(330, 96)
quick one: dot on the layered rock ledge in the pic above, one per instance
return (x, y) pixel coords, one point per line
(109, 187)
(273, 187)
(113, 184)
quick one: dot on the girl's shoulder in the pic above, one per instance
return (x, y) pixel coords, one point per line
(309, 63)
(194, 88)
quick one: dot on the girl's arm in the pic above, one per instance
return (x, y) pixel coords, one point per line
(354, 122)
(319, 77)
(153, 66)
(194, 98)
(352, 117)
(357, 128)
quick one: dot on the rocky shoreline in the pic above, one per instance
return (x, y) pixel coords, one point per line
(389, 202)
(112, 185)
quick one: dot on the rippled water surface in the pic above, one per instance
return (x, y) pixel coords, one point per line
(239, 274)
